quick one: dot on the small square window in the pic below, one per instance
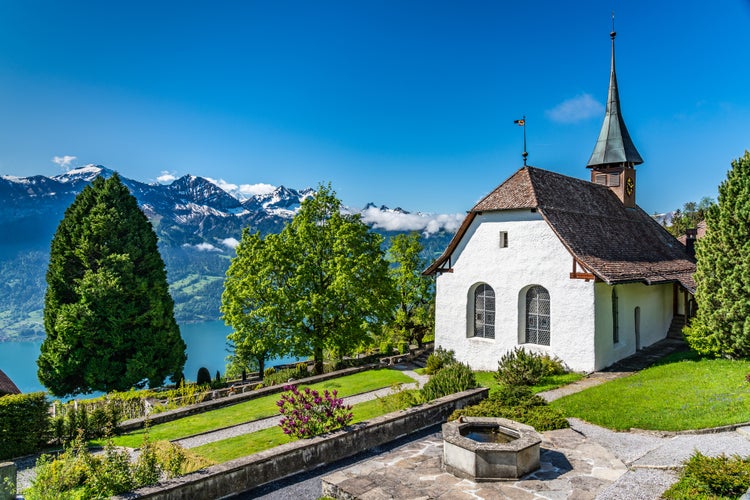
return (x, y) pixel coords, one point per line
(614, 180)
(503, 239)
(601, 179)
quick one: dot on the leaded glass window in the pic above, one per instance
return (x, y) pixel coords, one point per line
(484, 312)
(537, 316)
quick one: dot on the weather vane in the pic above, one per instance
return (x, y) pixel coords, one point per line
(522, 123)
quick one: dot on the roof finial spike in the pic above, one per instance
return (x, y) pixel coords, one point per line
(522, 123)
(613, 33)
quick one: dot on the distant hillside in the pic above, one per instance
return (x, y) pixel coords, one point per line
(198, 224)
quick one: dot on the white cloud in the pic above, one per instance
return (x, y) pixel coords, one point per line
(230, 243)
(64, 161)
(202, 247)
(244, 191)
(576, 109)
(255, 189)
(166, 177)
(397, 221)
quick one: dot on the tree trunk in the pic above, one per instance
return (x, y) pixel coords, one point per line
(261, 366)
(318, 357)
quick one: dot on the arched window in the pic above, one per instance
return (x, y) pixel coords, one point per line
(484, 312)
(537, 315)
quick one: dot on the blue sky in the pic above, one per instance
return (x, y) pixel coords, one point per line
(404, 103)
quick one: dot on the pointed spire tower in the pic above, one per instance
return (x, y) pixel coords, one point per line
(614, 158)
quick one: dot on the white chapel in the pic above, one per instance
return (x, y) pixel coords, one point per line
(561, 265)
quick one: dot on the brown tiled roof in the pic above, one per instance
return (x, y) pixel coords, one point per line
(7, 386)
(617, 244)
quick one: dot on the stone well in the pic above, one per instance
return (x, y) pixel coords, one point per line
(490, 449)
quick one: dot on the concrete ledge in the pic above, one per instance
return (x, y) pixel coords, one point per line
(249, 472)
(7, 481)
(212, 404)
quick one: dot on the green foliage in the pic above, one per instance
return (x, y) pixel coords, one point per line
(77, 474)
(452, 378)
(108, 314)
(414, 316)
(722, 324)
(92, 419)
(527, 368)
(519, 404)
(711, 478)
(438, 359)
(203, 377)
(321, 284)
(400, 399)
(24, 423)
(689, 216)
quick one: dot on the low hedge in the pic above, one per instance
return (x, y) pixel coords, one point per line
(24, 424)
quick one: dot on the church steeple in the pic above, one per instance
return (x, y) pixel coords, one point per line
(615, 154)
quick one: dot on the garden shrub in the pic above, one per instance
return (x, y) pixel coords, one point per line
(386, 348)
(24, 423)
(438, 359)
(519, 404)
(77, 474)
(712, 477)
(306, 413)
(269, 372)
(522, 367)
(452, 378)
(400, 398)
(204, 376)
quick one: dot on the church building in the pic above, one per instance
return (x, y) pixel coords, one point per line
(563, 266)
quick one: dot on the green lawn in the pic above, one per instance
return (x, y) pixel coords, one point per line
(257, 408)
(683, 392)
(247, 444)
(487, 379)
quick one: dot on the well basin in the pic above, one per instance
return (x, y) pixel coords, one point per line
(490, 449)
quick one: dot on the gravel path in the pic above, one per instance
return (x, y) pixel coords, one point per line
(265, 423)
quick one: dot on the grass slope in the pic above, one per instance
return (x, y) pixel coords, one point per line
(683, 392)
(258, 408)
(247, 444)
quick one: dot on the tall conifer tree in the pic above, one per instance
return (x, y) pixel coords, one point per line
(722, 324)
(108, 315)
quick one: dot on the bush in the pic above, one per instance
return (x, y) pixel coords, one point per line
(710, 477)
(268, 372)
(76, 473)
(400, 399)
(519, 404)
(204, 376)
(452, 378)
(521, 367)
(24, 424)
(386, 348)
(438, 359)
(306, 413)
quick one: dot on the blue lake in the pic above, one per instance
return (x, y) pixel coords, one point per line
(206, 346)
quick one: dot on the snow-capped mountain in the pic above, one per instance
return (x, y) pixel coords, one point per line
(198, 223)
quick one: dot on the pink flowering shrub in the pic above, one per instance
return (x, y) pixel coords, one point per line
(306, 413)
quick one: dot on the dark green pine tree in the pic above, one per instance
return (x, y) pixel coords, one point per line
(108, 314)
(721, 326)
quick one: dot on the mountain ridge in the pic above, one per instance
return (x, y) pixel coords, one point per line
(198, 224)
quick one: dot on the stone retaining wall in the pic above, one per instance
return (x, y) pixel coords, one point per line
(299, 456)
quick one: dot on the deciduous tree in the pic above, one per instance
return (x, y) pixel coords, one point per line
(108, 314)
(322, 283)
(414, 315)
(253, 304)
(721, 326)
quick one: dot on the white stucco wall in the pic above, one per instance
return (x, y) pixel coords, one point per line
(534, 256)
(655, 303)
